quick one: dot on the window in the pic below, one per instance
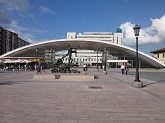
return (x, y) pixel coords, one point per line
(163, 55)
(117, 40)
(157, 55)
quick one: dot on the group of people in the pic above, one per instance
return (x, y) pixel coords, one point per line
(124, 69)
(38, 67)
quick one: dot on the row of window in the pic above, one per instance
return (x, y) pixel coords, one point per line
(163, 55)
(92, 37)
(92, 59)
(88, 52)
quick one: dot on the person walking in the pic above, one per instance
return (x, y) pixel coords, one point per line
(35, 67)
(39, 67)
(126, 69)
(84, 67)
(122, 69)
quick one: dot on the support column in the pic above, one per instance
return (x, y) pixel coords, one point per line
(104, 61)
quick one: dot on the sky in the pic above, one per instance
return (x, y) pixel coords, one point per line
(41, 20)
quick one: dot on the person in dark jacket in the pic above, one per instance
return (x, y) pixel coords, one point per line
(126, 69)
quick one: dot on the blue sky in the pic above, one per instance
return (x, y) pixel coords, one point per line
(40, 20)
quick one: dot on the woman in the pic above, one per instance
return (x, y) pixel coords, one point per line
(122, 69)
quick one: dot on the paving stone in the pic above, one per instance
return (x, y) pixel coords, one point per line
(26, 100)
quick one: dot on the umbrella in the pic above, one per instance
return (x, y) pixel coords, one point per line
(26, 61)
(18, 61)
(8, 61)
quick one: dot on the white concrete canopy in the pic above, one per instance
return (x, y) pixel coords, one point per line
(62, 44)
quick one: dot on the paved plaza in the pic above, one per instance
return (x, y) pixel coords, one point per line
(108, 99)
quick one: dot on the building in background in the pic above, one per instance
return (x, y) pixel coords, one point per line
(116, 38)
(91, 57)
(159, 54)
(10, 41)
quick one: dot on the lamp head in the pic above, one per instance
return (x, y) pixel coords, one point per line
(136, 30)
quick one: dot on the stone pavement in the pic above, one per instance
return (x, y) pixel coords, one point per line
(109, 99)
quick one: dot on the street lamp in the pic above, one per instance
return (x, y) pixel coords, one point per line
(137, 83)
(51, 51)
(104, 60)
(97, 60)
(36, 59)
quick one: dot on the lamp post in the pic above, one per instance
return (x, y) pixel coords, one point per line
(97, 61)
(104, 61)
(37, 60)
(52, 57)
(51, 51)
(137, 83)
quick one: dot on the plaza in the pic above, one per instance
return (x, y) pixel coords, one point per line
(109, 98)
(82, 61)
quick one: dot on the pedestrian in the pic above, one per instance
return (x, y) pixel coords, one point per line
(122, 69)
(35, 67)
(25, 67)
(84, 67)
(126, 69)
(39, 67)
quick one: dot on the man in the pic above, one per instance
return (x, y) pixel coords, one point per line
(126, 69)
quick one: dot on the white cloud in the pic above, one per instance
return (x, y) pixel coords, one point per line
(7, 7)
(20, 8)
(153, 34)
(17, 5)
(22, 32)
(45, 10)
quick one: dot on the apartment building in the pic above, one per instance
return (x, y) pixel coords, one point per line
(10, 41)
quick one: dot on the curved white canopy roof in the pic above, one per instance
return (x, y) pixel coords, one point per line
(62, 44)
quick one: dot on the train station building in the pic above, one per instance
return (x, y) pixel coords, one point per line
(113, 53)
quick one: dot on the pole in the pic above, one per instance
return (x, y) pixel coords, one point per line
(137, 83)
(37, 60)
(137, 62)
(52, 57)
(104, 71)
(97, 60)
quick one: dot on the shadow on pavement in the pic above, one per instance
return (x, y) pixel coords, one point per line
(8, 83)
(161, 81)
